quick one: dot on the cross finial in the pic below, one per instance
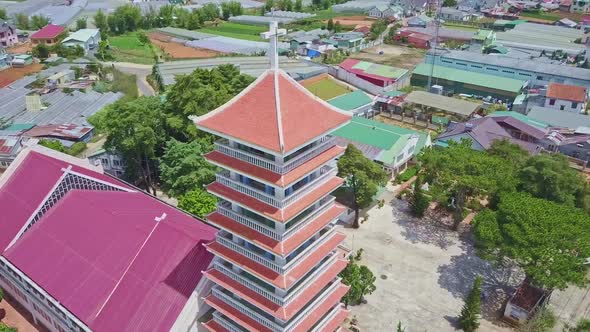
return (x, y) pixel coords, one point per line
(272, 35)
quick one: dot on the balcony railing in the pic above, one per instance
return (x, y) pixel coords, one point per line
(217, 292)
(327, 319)
(250, 284)
(304, 312)
(246, 221)
(248, 253)
(324, 144)
(224, 179)
(218, 317)
(325, 204)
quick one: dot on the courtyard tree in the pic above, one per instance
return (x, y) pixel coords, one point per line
(458, 173)
(199, 93)
(549, 241)
(471, 312)
(183, 167)
(197, 202)
(363, 178)
(135, 129)
(419, 201)
(360, 280)
(549, 176)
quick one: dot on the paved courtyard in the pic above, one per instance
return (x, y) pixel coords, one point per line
(423, 273)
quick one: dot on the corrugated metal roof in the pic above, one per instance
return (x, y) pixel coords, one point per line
(468, 77)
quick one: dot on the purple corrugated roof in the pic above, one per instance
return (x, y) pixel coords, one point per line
(79, 250)
(26, 188)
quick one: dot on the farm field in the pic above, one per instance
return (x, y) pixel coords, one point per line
(236, 30)
(10, 75)
(325, 87)
(127, 48)
(178, 51)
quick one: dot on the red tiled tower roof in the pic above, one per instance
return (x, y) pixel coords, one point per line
(274, 113)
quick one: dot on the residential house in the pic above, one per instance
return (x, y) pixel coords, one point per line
(419, 21)
(357, 102)
(390, 146)
(569, 98)
(47, 35)
(8, 35)
(118, 258)
(87, 39)
(112, 163)
(66, 134)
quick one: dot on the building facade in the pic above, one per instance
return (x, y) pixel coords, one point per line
(278, 253)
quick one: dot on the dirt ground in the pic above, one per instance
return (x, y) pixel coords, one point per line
(13, 315)
(352, 20)
(22, 48)
(10, 75)
(393, 55)
(179, 51)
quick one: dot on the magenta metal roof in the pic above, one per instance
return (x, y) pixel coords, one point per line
(26, 188)
(80, 249)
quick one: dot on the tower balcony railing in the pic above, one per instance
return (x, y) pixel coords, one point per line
(218, 317)
(217, 292)
(326, 173)
(225, 209)
(245, 282)
(324, 144)
(246, 252)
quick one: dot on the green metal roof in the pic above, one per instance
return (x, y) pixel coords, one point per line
(390, 139)
(463, 76)
(522, 118)
(351, 101)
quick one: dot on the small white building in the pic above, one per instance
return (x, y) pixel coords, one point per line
(88, 39)
(568, 98)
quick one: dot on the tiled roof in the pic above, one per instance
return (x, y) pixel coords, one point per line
(567, 92)
(279, 122)
(47, 32)
(265, 175)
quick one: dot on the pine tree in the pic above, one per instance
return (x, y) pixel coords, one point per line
(470, 314)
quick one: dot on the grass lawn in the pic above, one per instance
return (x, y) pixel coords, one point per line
(541, 15)
(127, 48)
(326, 88)
(236, 30)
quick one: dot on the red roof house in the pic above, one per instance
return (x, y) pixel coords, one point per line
(47, 35)
(107, 256)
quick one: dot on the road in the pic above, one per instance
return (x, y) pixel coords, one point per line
(141, 71)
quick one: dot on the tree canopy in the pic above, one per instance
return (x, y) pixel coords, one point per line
(197, 202)
(363, 177)
(183, 167)
(199, 93)
(550, 241)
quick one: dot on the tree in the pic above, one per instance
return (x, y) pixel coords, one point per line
(449, 3)
(549, 241)
(198, 202)
(183, 167)
(81, 23)
(419, 201)
(199, 93)
(3, 14)
(470, 314)
(360, 280)
(330, 26)
(363, 177)
(38, 22)
(298, 6)
(550, 177)
(40, 51)
(100, 21)
(135, 129)
(22, 21)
